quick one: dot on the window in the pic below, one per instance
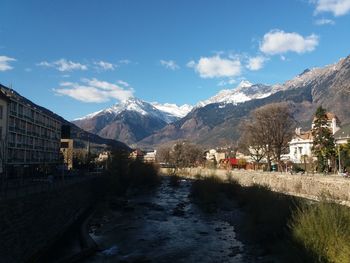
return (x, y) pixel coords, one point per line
(20, 109)
(64, 145)
(1, 110)
(14, 106)
(0, 132)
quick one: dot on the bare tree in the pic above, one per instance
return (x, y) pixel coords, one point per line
(185, 154)
(181, 154)
(163, 154)
(268, 131)
(249, 143)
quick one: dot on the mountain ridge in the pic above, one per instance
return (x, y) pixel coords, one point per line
(209, 121)
(217, 124)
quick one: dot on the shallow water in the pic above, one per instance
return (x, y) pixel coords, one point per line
(165, 226)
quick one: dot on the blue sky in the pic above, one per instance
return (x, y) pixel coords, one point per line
(77, 57)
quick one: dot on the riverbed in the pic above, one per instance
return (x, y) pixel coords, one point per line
(165, 226)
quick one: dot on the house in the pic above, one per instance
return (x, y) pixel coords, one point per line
(103, 156)
(136, 154)
(301, 144)
(214, 155)
(343, 135)
(150, 157)
(30, 135)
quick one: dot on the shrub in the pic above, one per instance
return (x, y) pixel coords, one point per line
(267, 212)
(124, 173)
(324, 230)
(142, 174)
(205, 192)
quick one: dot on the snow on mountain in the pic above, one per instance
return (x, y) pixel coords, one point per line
(166, 112)
(246, 91)
(243, 92)
(312, 75)
(173, 109)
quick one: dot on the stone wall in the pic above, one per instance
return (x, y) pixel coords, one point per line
(308, 186)
(30, 224)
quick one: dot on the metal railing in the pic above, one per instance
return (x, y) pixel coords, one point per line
(11, 188)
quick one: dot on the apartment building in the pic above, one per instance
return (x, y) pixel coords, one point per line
(30, 134)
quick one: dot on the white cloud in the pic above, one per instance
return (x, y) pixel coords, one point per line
(337, 7)
(256, 63)
(324, 21)
(227, 82)
(279, 42)
(5, 63)
(215, 67)
(93, 90)
(123, 83)
(63, 65)
(124, 61)
(103, 65)
(169, 64)
(191, 64)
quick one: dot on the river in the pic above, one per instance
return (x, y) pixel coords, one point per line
(165, 226)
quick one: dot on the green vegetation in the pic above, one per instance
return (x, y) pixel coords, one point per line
(344, 151)
(323, 143)
(292, 229)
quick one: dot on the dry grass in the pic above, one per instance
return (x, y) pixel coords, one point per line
(292, 229)
(323, 229)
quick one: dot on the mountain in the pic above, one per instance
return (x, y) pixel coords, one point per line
(173, 111)
(245, 91)
(215, 121)
(131, 120)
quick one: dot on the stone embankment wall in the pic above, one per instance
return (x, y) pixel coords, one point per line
(314, 186)
(29, 224)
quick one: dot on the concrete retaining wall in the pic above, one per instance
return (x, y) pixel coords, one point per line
(308, 186)
(30, 224)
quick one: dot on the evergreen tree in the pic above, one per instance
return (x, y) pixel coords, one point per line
(323, 144)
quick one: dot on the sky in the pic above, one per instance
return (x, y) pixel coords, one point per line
(78, 57)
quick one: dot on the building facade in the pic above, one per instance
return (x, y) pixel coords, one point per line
(4, 102)
(301, 144)
(31, 136)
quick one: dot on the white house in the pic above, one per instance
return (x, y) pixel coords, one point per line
(150, 157)
(300, 146)
(301, 143)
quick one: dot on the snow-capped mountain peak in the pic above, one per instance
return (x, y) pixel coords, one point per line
(166, 112)
(173, 109)
(244, 84)
(244, 91)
